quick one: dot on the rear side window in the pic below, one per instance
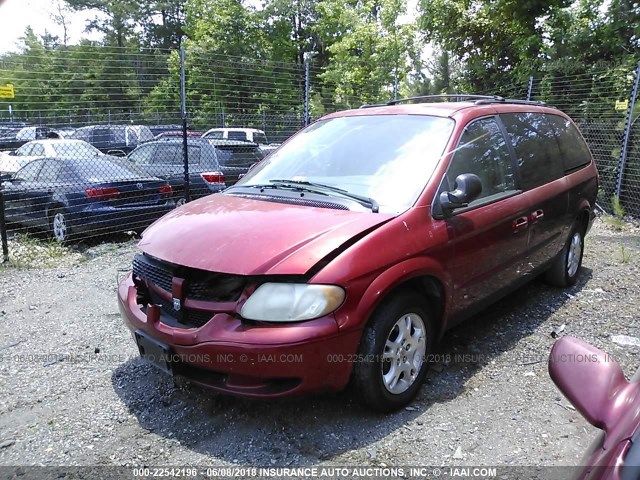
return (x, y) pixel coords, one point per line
(216, 135)
(142, 155)
(38, 150)
(483, 151)
(237, 157)
(574, 150)
(237, 136)
(536, 147)
(49, 172)
(102, 136)
(82, 134)
(259, 138)
(173, 154)
(67, 174)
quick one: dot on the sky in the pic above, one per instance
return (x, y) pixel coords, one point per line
(17, 15)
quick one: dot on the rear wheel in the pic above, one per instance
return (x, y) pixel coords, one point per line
(59, 225)
(566, 267)
(391, 362)
(180, 201)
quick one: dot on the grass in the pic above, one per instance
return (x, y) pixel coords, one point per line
(27, 252)
(625, 254)
(616, 220)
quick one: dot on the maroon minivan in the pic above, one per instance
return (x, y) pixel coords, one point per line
(344, 256)
(594, 383)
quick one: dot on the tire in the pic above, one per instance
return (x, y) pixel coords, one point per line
(565, 269)
(180, 201)
(385, 379)
(59, 226)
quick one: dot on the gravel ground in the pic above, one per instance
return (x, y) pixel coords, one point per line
(74, 392)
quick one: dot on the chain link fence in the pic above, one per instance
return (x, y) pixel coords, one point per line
(601, 102)
(95, 140)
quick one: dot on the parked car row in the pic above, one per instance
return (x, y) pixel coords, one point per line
(122, 139)
(74, 196)
(213, 166)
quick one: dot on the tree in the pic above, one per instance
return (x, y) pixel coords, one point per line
(369, 49)
(60, 18)
(493, 39)
(118, 20)
(125, 22)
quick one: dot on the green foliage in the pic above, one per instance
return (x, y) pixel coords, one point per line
(370, 49)
(616, 221)
(616, 206)
(155, 23)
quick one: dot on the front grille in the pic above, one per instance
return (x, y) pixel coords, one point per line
(157, 273)
(200, 285)
(292, 201)
(185, 317)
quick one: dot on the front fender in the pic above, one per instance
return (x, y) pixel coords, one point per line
(398, 274)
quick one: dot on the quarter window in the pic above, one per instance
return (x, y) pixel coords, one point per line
(483, 151)
(536, 147)
(575, 152)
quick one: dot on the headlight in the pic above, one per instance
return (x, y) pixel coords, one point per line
(291, 302)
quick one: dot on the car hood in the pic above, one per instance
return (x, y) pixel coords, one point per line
(231, 234)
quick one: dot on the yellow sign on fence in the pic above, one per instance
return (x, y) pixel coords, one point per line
(7, 91)
(622, 104)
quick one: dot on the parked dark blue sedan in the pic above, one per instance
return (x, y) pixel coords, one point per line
(85, 196)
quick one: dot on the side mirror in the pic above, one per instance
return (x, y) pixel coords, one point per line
(116, 153)
(12, 153)
(468, 188)
(592, 381)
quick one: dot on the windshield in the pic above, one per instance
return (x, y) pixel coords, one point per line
(388, 158)
(75, 149)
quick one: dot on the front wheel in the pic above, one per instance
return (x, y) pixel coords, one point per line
(565, 268)
(392, 359)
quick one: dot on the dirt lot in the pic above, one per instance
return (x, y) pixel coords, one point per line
(74, 392)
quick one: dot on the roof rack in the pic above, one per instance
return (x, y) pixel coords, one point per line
(446, 96)
(477, 99)
(373, 105)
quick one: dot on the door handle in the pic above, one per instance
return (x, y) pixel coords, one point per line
(537, 215)
(520, 223)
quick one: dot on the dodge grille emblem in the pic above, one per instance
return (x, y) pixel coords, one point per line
(176, 304)
(140, 186)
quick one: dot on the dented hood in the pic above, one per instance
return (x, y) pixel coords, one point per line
(231, 234)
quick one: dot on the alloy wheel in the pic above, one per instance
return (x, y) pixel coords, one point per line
(404, 352)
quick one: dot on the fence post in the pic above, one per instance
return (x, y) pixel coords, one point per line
(306, 90)
(627, 132)
(183, 111)
(3, 228)
(530, 89)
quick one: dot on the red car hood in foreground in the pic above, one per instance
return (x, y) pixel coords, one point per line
(230, 234)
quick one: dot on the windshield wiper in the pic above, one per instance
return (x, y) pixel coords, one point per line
(362, 200)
